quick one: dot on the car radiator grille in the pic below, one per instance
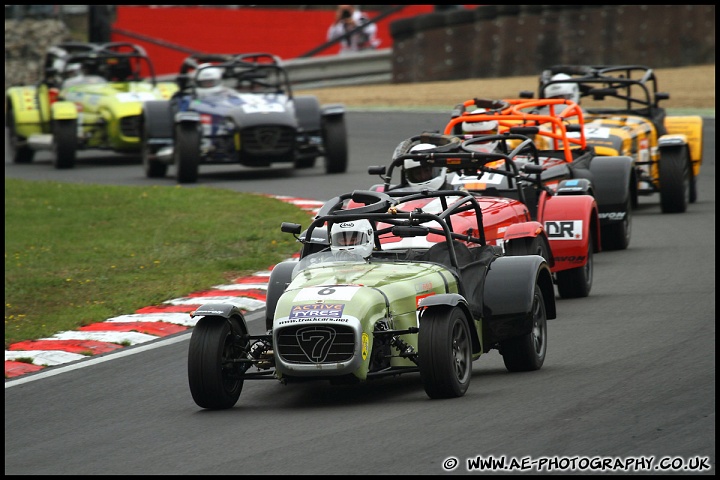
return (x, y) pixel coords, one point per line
(130, 126)
(268, 140)
(316, 344)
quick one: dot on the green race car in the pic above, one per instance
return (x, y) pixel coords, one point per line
(354, 308)
(90, 96)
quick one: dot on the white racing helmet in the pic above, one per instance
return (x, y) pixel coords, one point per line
(568, 91)
(427, 176)
(73, 70)
(208, 80)
(487, 127)
(356, 236)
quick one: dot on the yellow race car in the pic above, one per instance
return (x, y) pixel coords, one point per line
(622, 116)
(89, 96)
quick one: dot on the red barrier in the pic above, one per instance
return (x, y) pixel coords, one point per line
(283, 32)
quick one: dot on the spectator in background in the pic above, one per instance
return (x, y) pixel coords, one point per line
(348, 18)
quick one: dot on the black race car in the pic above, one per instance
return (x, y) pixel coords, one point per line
(239, 108)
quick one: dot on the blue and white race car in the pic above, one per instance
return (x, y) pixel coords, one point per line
(239, 108)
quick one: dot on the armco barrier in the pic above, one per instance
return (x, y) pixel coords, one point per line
(362, 68)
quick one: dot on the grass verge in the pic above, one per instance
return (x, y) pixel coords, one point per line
(78, 254)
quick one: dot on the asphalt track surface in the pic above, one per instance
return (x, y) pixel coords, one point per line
(630, 371)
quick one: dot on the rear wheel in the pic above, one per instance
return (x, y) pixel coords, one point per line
(527, 353)
(445, 352)
(20, 151)
(577, 282)
(187, 152)
(335, 141)
(675, 179)
(214, 377)
(64, 143)
(616, 236)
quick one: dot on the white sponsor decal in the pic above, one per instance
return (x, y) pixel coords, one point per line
(564, 230)
(325, 293)
(135, 97)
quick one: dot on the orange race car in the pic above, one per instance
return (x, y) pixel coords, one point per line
(555, 125)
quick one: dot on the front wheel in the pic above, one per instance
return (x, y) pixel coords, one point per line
(335, 141)
(527, 352)
(187, 152)
(19, 150)
(65, 143)
(675, 177)
(215, 378)
(445, 352)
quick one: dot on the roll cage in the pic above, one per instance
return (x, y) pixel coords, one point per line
(381, 208)
(243, 72)
(113, 61)
(634, 86)
(559, 121)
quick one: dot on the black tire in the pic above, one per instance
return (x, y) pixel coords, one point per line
(187, 152)
(153, 168)
(576, 282)
(675, 173)
(65, 143)
(616, 236)
(445, 352)
(214, 379)
(19, 150)
(527, 353)
(528, 246)
(693, 187)
(335, 141)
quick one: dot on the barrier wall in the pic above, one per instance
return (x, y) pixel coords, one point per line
(509, 40)
(169, 34)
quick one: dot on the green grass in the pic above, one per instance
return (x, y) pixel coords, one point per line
(78, 254)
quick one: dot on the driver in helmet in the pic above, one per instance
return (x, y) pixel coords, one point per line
(424, 176)
(484, 127)
(355, 237)
(565, 90)
(72, 74)
(208, 81)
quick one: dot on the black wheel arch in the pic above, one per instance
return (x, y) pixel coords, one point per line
(280, 277)
(509, 293)
(612, 180)
(307, 112)
(157, 119)
(220, 312)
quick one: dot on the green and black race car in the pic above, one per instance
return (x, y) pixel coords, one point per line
(354, 307)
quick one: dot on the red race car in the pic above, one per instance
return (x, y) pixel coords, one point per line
(520, 212)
